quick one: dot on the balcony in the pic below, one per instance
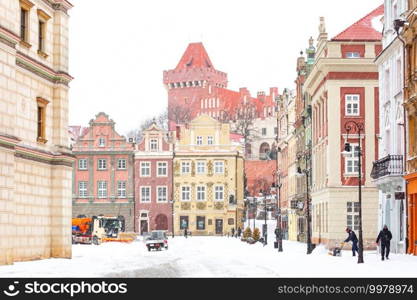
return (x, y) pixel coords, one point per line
(391, 165)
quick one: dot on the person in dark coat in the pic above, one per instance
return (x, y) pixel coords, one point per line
(233, 232)
(185, 233)
(352, 238)
(239, 231)
(384, 237)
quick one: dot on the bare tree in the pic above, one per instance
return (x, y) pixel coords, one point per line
(161, 121)
(243, 122)
(179, 114)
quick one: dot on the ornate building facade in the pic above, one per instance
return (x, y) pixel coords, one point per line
(410, 103)
(35, 159)
(208, 186)
(343, 86)
(103, 175)
(153, 181)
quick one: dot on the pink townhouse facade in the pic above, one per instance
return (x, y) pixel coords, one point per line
(153, 181)
(103, 175)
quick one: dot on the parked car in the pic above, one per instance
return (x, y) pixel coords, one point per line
(157, 240)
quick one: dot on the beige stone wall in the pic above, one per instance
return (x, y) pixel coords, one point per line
(35, 178)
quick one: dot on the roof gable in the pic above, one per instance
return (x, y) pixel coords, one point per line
(364, 29)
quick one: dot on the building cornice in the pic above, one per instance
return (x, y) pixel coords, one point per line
(36, 67)
(59, 5)
(8, 37)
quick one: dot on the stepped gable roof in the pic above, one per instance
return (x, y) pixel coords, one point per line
(195, 56)
(365, 29)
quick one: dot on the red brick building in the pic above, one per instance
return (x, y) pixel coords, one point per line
(196, 87)
(103, 174)
(153, 181)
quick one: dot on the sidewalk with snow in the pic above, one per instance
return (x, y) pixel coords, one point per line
(212, 257)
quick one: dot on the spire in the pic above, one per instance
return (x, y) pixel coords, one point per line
(322, 31)
(195, 56)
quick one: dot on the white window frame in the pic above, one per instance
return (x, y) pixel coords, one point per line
(82, 164)
(102, 142)
(264, 131)
(199, 140)
(153, 145)
(145, 165)
(102, 189)
(352, 211)
(148, 197)
(121, 189)
(216, 191)
(82, 189)
(100, 165)
(158, 195)
(349, 100)
(353, 54)
(121, 164)
(188, 192)
(217, 166)
(161, 165)
(354, 158)
(210, 140)
(201, 193)
(201, 167)
(183, 164)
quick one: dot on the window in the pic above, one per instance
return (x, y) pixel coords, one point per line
(102, 164)
(145, 194)
(82, 189)
(145, 169)
(201, 167)
(121, 164)
(264, 131)
(153, 145)
(275, 130)
(162, 169)
(185, 167)
(201, 193)
(352, 105)
(121, 189)
(162, 193)
(101, 142)
(352, 214)
(185, 193)
(24, 24)
(230, 221)
(352, 55)
(82, 164)
(41, 36)
(102, 189)
(199, 140)
(218, 167)
(218, 193)
(184, 222)
(352, 160)
(41, 122)
(201, 223)
(210, 140)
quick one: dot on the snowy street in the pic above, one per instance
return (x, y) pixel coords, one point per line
(211, 257)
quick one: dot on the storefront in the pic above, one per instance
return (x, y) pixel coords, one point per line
(412, 212)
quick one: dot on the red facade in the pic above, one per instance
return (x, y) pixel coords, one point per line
(153, 182)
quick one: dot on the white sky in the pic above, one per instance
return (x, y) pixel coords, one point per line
(119, 49)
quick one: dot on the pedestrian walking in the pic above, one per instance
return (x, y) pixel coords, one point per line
(185, 233)
(239, 232)
(354, 239)
(233, 232)
(384, 237)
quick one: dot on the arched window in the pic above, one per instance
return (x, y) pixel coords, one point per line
(264, 151)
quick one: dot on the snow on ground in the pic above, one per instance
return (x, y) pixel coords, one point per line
(212, 257)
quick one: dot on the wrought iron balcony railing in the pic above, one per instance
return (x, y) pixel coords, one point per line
(389, 165)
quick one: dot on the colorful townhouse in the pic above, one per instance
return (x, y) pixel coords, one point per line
(208, 178)
(343, 86)
(153, 181)
(103, 176)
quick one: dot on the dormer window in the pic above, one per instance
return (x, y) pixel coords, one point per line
(101, 142)
(153, 145)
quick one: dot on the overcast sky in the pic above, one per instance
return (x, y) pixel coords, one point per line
(119, 49)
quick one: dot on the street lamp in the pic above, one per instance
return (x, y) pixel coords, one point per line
(306, 172)
(359, 128)
(265, 227)
(278, 212)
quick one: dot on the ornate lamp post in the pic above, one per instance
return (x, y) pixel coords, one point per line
(359, 128)
(278, 211)
(306, 172)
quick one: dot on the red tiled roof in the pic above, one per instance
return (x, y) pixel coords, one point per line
(195, 56)
(362, 30)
